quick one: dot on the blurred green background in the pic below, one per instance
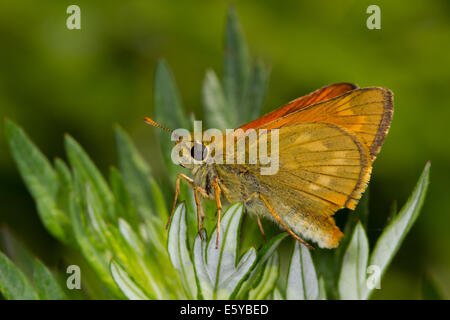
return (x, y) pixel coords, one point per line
(54, 80)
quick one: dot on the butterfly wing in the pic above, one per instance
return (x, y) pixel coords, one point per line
(322, 168)
(317, 96)
(366, 113)
(326, 152)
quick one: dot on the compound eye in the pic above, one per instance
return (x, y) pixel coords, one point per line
(199, 152)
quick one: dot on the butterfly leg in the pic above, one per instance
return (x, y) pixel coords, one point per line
(261, 228)
(177, 192)
(198, 202)
(281, 222)
(217, 192)
(255, 195)
(200, 212)
(202, 191)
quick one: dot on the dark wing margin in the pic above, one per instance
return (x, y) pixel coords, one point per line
(384, 125)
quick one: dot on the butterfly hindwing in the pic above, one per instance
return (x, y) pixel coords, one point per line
(322, 168)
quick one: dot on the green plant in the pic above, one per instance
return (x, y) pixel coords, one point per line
(118, 226)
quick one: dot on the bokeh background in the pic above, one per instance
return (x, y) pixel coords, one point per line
(54, 80)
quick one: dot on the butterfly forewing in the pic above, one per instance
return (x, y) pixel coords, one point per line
(366, 113)
(320, 95)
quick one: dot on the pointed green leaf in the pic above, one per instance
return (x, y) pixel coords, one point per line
(322, 289)
(40, 179)
(15, 250)
(277, 294)
(360, 214)
(168, 107)
(123, 204)
(129, 287)
(155, 234)
(97, 260)
(329, 262)
(125, 244)
(168, 112)
(46, 285)
(259, 80)
(217, 112)
(131, 237)
(65, 188)
(392, 237)
(95, 218)
(137, 177)
(218, 271)
(179, 252)
(352, 280)
(268, 279)
(263, 256)
(90, 175)
(13, 283)
(129, 251)
(302, 281)
(393, 211)
(63, 172)
(236, 64)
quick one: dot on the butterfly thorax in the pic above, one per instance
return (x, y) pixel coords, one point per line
(231, 179)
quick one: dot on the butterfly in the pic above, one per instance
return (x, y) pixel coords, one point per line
(327, 143)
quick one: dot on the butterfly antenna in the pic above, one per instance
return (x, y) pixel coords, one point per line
(155, 124)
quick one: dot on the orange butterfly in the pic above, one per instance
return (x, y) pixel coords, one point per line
(327, 142)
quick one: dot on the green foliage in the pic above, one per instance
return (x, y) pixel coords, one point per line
(352, 281)
(13, 283)
(394, 233)
(302, 282)
(261, 279)
(179, 251)
(40, 283)
(239, 99)
(42, 181)
(430, 289)
(168, 110)
(47, 287)
(218, 268)
(118, 226)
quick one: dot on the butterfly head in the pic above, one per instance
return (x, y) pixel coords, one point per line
(187, 152)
